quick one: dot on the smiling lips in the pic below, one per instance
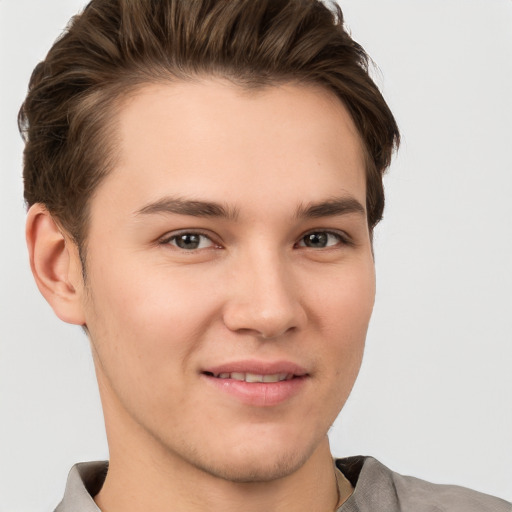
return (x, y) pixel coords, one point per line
(258, 384)
(254, 377)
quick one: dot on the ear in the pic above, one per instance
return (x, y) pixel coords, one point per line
(55, 264)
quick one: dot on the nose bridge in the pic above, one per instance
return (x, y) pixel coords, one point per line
(264, 298)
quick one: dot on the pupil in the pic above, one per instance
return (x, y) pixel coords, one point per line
(316, 240)
(188, 241)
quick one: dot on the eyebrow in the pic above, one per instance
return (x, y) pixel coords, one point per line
(331, 207)
(193, 208)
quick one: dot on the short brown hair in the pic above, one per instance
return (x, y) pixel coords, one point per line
(114, 46)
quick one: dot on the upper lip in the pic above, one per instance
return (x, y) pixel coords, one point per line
(257, 367)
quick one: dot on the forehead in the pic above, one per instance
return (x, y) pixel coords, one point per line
(213, 138)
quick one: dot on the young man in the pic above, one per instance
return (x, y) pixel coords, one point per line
(203, 180)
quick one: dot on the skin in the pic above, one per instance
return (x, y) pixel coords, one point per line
(159, 315)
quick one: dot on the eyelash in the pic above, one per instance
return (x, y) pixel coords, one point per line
(168, 239)
(343, 239)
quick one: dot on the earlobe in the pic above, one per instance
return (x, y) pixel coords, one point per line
(55, 264)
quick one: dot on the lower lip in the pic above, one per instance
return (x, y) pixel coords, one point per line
(259, 394)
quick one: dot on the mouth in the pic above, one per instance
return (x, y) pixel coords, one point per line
(258, 384)
(252, 377)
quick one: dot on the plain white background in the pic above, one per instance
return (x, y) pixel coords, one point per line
(434, 397)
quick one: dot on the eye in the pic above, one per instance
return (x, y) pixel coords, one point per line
(189, 241)
(321, 240)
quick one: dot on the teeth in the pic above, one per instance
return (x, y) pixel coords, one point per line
(254, 377)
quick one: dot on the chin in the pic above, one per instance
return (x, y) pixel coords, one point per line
(254, 467)
(257, 456)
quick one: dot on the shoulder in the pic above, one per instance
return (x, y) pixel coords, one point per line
(412, 492)
(379, 488)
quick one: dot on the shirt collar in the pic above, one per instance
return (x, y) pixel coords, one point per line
(84, 481)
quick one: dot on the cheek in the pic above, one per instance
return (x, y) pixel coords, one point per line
(345, 313)
(142, 321)
(345, 302)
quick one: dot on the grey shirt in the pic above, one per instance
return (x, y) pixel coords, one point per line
(376, 489)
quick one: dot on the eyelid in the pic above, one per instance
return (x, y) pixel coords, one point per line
(168, 237)
(343, 237)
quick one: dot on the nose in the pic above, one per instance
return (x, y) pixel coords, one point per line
(264, 298)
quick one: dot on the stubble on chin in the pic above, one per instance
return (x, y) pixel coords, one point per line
(251, 468)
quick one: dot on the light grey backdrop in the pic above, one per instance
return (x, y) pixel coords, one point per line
(434, 398)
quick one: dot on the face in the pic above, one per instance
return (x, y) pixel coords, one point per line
(230, 276)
